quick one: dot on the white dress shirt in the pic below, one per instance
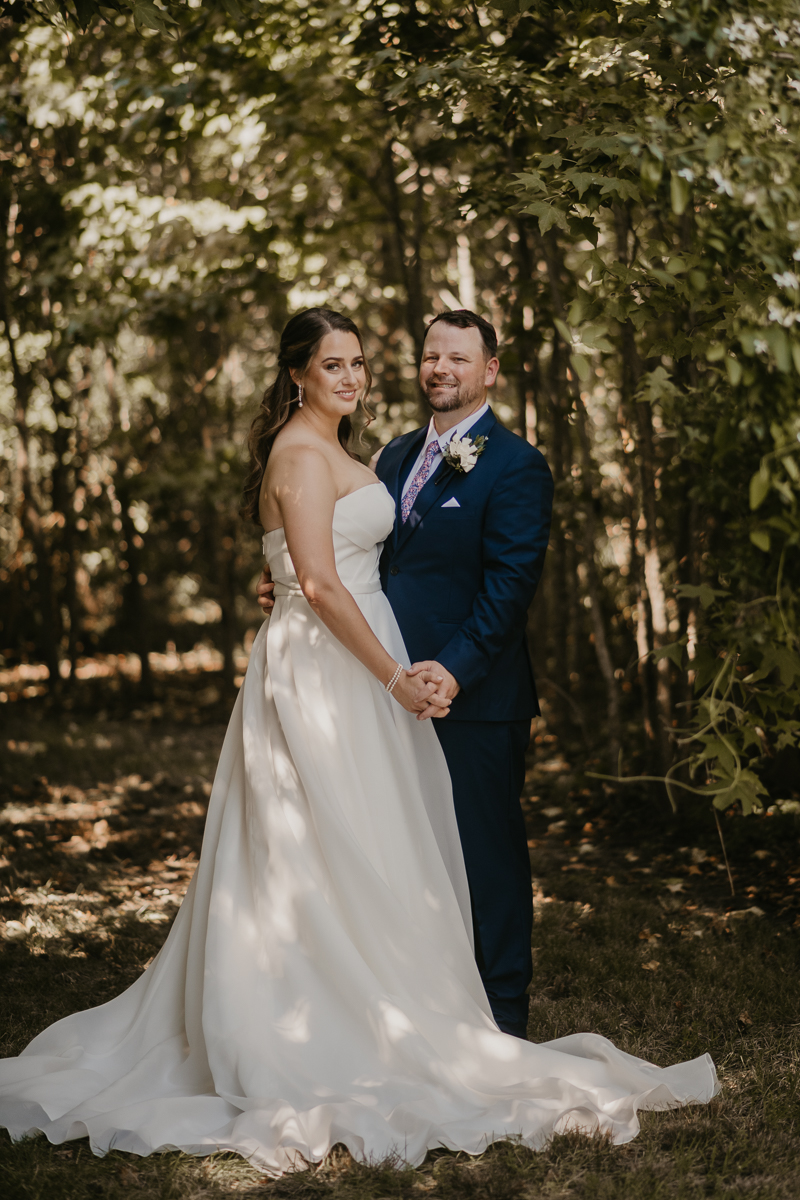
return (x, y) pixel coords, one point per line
(443, 440)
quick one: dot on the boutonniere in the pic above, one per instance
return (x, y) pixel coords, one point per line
(462, 453)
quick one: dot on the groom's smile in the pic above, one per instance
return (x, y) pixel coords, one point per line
(455, 370)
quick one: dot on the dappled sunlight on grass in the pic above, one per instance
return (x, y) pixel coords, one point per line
(636, 937)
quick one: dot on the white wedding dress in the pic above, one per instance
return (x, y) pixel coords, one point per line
(318, 984)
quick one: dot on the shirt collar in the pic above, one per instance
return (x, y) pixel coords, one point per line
(457, 430)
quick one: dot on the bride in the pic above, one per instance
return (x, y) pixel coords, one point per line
(318, 985)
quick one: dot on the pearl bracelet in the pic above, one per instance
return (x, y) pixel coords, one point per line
(394, 679)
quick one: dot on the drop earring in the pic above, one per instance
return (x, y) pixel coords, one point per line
(299, 395)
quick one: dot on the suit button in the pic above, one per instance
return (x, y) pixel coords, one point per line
(394, 570)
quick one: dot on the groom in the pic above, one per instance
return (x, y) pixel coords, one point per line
(460, 570)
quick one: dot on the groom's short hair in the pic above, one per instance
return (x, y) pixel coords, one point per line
(462, 318)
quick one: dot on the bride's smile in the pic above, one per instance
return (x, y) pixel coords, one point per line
(334, 379)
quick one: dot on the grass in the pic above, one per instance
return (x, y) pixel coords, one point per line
(637, 937)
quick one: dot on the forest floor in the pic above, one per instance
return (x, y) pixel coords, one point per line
(637, 937)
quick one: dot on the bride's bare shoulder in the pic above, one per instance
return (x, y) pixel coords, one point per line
(294, 460)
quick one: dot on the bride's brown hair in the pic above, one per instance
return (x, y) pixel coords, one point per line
(299, 343)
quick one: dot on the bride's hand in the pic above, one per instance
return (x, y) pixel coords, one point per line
(417, 693)
(446, 691)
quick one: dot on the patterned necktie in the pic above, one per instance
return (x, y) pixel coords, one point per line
(420, 479)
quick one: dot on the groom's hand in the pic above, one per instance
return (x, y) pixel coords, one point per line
(264, 590)
(422, 687)
(447, 688)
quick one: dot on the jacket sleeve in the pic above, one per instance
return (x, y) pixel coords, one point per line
(514, 539)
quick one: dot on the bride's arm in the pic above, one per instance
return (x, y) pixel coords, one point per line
(305, 491)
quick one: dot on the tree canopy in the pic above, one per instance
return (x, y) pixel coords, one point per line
(613, 182)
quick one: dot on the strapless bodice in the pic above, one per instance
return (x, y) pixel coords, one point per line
(362, 520)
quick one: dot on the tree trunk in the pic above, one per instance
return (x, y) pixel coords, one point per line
(553, 259)
(407, 250)
(557, 594)
(631, 373)
(30, 514)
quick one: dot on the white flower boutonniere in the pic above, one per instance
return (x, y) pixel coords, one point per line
(462, 453)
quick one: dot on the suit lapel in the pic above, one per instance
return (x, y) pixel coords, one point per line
(439, 484)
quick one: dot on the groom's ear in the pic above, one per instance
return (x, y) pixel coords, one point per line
(492, 367)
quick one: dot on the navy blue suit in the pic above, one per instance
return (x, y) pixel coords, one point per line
(460, 581)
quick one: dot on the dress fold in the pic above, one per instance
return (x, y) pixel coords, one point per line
(318, 984)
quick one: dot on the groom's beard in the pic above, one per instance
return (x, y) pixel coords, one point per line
(457, 396)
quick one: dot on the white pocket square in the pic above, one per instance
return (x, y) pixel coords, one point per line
(451, 503)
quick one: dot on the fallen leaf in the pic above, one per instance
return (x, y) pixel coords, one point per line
(610, 881)
(653, 965)
(744, 1019)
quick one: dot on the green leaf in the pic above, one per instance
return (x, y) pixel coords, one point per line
(779, 345)
(581, 365)
(594, 336)
(622, 188)
(718, 755)
(86, 11)
(786, 661)
(585, 227)
(676, 265)
(581, 180)
(747, 789)
(147, 16)
(564, 330)
(703, 592)
(788, 664)
(761, 539)
(678, 193)
(674, 653)
(734, 369)
(548, 216)
(532, 180)
(651, 171)
(759, 486)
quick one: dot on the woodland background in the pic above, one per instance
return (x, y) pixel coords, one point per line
(615, 183)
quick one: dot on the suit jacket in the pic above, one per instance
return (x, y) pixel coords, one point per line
(461, 579)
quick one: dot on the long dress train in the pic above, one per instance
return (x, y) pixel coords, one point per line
(318, 984)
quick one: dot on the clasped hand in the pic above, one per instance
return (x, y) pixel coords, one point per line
(426, 689)
(441, 689)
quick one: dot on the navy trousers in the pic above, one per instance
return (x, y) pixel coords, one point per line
(486, 760)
